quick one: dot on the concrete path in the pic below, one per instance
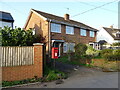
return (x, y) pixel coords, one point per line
(83, 77)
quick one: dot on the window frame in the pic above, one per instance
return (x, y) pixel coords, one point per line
(69, 27)
(81, 32)
(55, 25)
(92, 34)
(67, 46)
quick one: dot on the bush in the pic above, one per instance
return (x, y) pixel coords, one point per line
(116, 44)
(106, 52)
(116, 52)
(112, 55)
(91, 51)
(80, 49)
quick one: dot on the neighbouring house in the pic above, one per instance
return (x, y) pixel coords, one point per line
(6, 19)
(59, 31)
(110, 35)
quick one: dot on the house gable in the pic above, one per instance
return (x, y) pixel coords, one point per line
(104, 35)
(35, 15)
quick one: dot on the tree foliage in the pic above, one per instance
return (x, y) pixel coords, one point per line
(17, 37)
(80, 49)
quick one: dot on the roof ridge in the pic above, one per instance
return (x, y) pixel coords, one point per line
(111, 28)
(47, 13)
(52, 16)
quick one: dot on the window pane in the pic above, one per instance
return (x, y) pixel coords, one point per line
(65, 47)
(69, 30)
(91, 33)
(82, 32)
(55, 28)
(68, 46)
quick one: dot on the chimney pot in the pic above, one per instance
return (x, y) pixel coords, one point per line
(66, 16)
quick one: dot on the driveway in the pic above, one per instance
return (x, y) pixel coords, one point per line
(83, 77)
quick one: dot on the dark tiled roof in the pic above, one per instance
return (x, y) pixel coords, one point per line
(111, 31)
(61, 19)
(5, 16)
(102, 42)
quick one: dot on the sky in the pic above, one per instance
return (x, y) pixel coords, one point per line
(95, 13)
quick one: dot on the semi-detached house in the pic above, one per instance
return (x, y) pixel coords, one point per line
(59, 31)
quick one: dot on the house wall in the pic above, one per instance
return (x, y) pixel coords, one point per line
(76, 37)
(40, 26)
(3, 23)
(104, 35)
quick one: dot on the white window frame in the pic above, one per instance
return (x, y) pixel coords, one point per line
(83, 32)
(67, 46)
(69, 30)
(56, 28)
(92, 34)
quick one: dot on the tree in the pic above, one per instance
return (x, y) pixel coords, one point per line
(17, 37)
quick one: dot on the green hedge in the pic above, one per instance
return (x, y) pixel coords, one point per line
(106, 52)
(109, 54)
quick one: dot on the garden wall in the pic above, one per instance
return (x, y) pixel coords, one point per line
(106, 64)
(115, 65)
(13, 73)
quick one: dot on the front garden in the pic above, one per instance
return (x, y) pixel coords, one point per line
(107, 59)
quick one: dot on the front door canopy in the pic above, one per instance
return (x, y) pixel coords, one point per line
(59, 41)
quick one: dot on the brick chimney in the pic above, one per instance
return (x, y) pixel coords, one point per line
(66, 16)
(111, 26)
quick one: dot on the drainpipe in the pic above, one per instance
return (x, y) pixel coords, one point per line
(49, 39)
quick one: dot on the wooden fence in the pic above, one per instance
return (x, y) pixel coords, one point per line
(17, 56)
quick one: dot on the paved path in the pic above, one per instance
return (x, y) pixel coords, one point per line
(83, 78)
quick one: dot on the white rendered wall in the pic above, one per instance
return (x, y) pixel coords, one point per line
(104, 35)
(3, 23)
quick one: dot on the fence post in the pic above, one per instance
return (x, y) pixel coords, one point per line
(38, 56)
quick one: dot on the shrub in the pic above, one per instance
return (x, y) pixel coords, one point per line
(116, 52)
(91, 51)
(80, 49)
(116, 44)
(114, 55)
(18, 37)
(106, 52)
(51, 74)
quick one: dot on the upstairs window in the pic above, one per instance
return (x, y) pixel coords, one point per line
(55, 28)
(92, 33)
(69, 30)
(83, 32)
